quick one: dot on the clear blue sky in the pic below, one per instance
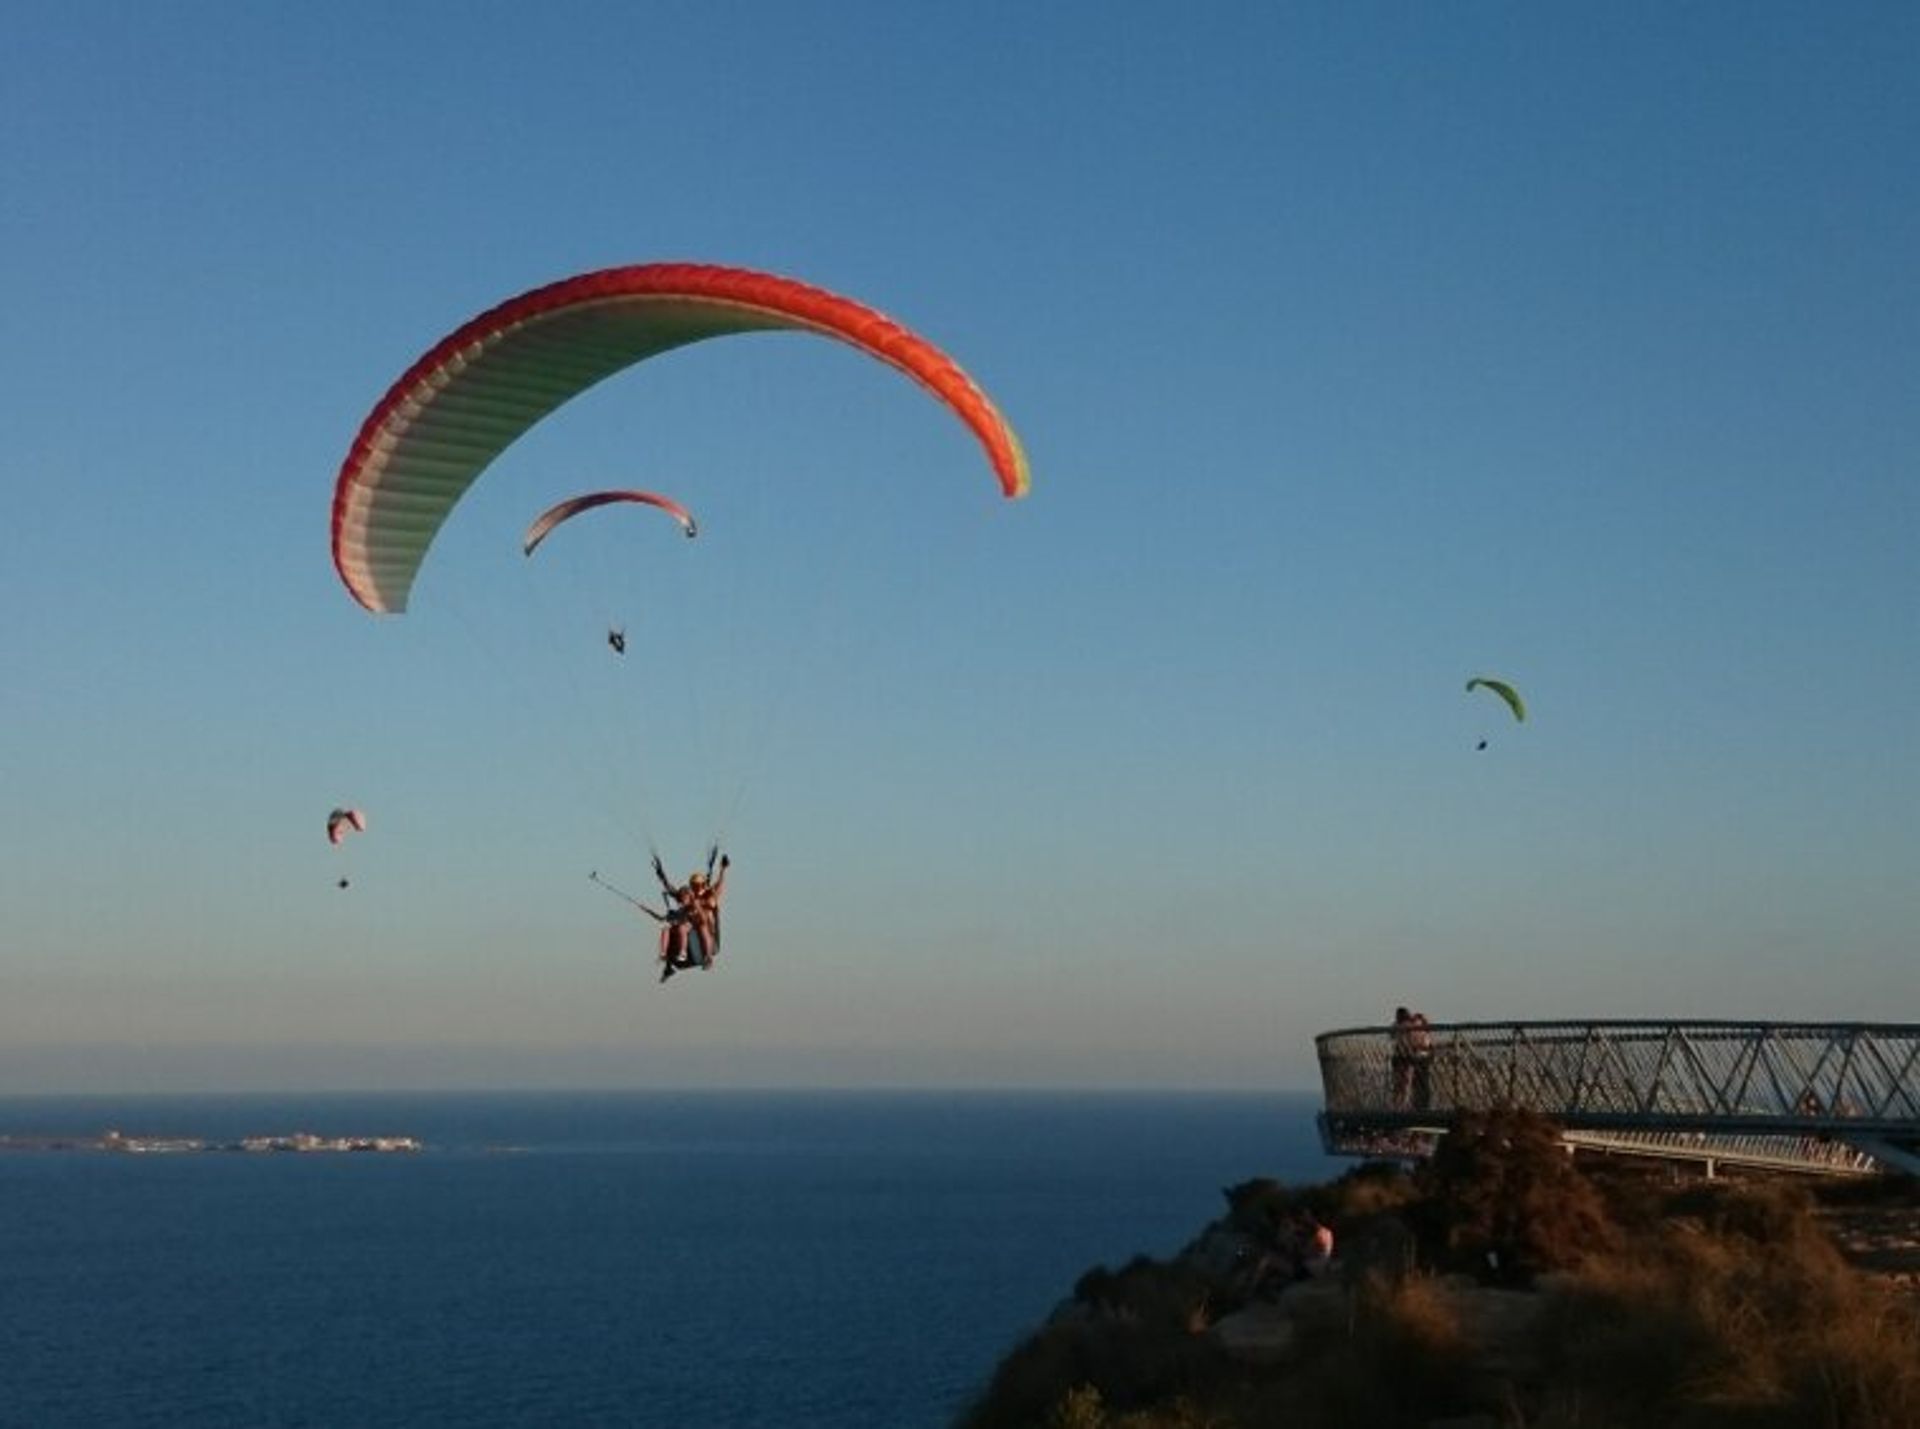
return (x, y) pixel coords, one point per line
(1358, 349)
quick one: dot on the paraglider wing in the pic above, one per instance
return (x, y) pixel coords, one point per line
(1502, 689)
(340, 820)
(573, 506)
(463, 403)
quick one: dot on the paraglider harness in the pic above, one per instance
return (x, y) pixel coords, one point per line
(686, 939)
(699, 943)
(676, 916)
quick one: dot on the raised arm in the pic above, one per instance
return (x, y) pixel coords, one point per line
(666, 884)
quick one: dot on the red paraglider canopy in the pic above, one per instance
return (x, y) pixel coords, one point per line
(479, 388)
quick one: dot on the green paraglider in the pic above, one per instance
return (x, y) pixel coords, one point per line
(1504, 690)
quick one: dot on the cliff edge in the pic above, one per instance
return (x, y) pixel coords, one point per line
(1503, 1284)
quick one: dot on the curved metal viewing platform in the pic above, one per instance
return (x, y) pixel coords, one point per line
(1828, 1098)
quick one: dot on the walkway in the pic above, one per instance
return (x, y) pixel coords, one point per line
(1832, 1098)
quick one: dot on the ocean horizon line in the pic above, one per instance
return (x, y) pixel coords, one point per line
(825, 1089)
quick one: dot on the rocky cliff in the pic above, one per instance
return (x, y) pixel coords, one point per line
(1503, 1284)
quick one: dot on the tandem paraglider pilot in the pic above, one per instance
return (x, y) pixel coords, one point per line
(690, 935)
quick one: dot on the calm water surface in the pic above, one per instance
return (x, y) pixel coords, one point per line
(803, 1260)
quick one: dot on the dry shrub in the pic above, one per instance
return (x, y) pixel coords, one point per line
(1381, 1244)
(1404, 1358)
(1410, 1319)
(1079, 1408)
(1376, 1188)
(1032, 1381)
(1716, 1307)
(1862, 1367)
(1775, 1212)
(1145, 1291)
(1082, 1408)
(1896, 1189)
(1502, 1195)
(1743, 1316)
(1129, 1365)
(1632, 1334)
(1180, 1414)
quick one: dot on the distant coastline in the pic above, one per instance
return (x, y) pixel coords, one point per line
(295, 1142)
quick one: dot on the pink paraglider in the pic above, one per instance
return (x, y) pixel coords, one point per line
(573, 506)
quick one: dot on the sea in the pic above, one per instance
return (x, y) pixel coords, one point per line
(799, 1260)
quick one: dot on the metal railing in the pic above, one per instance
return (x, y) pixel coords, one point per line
(1761, 1093)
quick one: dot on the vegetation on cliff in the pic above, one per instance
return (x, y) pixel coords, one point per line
(1501, 1284)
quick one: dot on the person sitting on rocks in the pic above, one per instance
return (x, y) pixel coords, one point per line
(1315, 1246)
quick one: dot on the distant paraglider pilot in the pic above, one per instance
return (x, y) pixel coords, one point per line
(341, 823)
(1508, 695)
(558, 515)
